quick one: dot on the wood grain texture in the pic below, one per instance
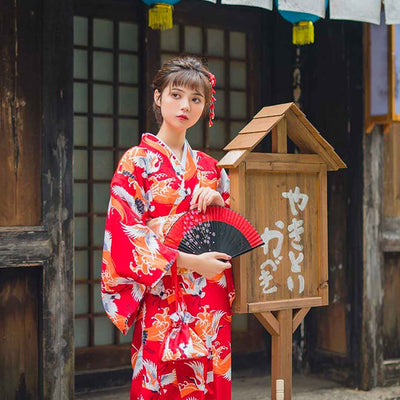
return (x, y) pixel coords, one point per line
(22, 246)
(19, 332)
(298, 317)
(281, 360)
(391, 178)
(391, 307)
(390, 238)
(57, 187)
(239, 265)
(275, 305)
(245, 141)
(266, 188)
(373, 279)
(279, 137)
(232, 159)
(269, 322)
(20, 113)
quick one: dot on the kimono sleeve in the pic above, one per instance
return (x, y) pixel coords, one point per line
(133, 256)
(224, 186)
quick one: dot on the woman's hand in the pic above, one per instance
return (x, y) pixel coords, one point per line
(205, 196)
(206, 264)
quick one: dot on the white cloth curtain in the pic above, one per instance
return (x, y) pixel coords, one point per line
(254, 3)
(352, 10)
(356, 10)
(315, 7)
(392, 11)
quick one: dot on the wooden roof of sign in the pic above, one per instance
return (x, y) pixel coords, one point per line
(299, 130)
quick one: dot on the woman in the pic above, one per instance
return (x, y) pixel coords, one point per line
(153, 185)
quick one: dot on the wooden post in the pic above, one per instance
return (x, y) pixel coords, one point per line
(281, 366)
(279, 137)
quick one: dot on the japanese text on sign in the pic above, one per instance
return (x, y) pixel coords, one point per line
(297, 202)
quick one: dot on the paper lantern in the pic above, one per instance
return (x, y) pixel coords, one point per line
(160, 13)
(303, 25)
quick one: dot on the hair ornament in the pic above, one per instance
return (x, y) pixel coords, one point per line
(213, 81)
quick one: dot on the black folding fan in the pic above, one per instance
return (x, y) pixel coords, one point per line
(218, 229)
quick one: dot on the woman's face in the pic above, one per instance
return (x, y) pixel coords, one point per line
(181, 107)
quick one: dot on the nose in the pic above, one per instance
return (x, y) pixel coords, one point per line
(185, 104)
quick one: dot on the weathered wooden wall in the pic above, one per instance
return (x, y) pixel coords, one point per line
(19, 328)
(36, 235)
(20, 113)
(391, 179)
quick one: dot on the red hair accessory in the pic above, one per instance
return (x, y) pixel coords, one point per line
(213, 81)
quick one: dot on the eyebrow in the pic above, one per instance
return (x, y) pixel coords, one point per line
(196, 92)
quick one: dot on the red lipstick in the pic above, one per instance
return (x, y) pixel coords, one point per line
(183, 117)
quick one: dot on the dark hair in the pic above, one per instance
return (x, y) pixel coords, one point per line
(187, 71)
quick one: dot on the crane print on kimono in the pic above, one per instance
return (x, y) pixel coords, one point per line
(150, 189)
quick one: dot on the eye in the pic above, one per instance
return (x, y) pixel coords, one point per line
(175, 95)
(197, 100)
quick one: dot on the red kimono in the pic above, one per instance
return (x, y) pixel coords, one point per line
(150, 189)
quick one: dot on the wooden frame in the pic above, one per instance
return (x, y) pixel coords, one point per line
(282, 163)
(391, 116)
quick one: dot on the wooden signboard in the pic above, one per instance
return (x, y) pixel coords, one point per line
(285, 197)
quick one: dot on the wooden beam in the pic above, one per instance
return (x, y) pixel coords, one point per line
(279, 137)
(24, 246)
(390, 238)
(281, 354)
(264, 306)
(372, 318)
(57, 337)
(299, 316)
(269, 322)
(286, 158)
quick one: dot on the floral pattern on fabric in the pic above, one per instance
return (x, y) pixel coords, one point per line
(150, 189)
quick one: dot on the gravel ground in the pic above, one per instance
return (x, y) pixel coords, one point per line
(305, 387)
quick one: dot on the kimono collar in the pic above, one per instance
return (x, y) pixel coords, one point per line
(179, 166)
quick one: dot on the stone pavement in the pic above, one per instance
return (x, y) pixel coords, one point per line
(305, 387)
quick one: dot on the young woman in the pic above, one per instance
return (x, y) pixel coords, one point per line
(153, 185)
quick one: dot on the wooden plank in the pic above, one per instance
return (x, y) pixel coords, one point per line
(239, 265)
(275, 110)
(285, 304)
(392, 371)
(245, 141)
(269, 322)
(282, 167)
(281, 357)
(20, 113)
(232, 159)
(299, 316)
(286, 158)
(264, 125)
(279, 137)
(323, 234)
(391, 308)
(57, 342)
(391, 181)
(20, 294)
(373, 287)
(391, 235)
(24, 245)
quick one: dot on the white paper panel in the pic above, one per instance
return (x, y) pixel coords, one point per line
(392, 11)
(379, 70)
(315, 7)
(356, 10)
(255, 3)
